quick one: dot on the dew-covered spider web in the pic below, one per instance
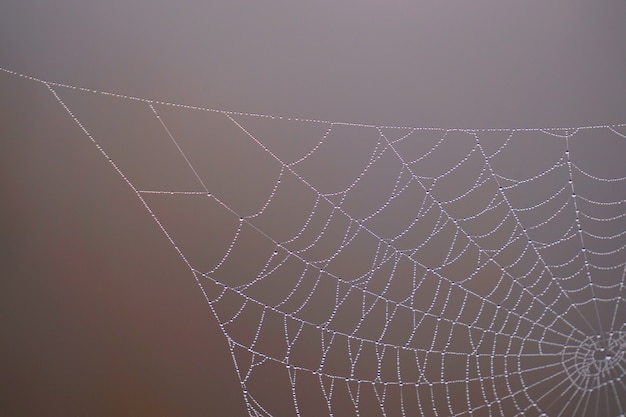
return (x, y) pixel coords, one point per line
(372, 270)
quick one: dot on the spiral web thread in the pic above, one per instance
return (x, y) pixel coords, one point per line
(379, 270)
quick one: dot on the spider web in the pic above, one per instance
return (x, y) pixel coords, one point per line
(387, 270)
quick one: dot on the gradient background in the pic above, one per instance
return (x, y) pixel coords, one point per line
(92, 321)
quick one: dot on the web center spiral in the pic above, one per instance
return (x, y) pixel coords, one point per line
(596, 361)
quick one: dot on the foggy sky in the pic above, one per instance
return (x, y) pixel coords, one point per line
(100, 315)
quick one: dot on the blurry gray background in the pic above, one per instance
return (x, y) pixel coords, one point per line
(98, 315)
